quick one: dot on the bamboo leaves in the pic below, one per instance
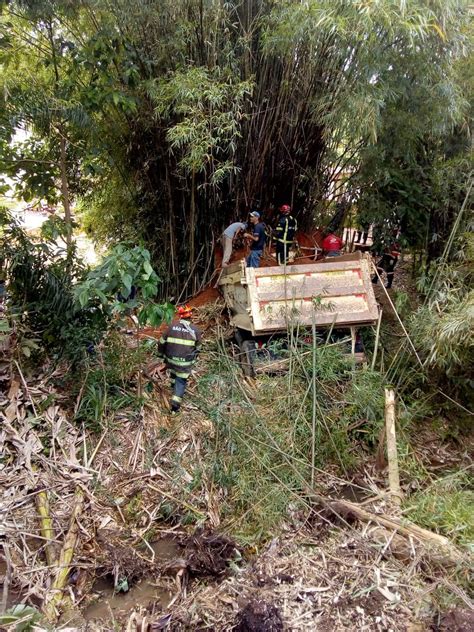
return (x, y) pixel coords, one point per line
(208, 106)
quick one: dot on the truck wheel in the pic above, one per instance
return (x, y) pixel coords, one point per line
(247, 349)
(240, 338)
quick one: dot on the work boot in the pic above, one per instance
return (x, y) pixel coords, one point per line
(174, 409)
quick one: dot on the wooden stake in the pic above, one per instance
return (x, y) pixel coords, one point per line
(393, 476)
(377, 338)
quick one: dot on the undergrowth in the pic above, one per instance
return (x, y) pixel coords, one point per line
(262, 452)
(109, 384)
(446, 506)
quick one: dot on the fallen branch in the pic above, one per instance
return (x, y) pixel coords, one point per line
(438, 548)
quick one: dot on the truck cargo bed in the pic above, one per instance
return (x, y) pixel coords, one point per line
(337, 291)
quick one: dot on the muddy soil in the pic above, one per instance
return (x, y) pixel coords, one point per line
(259, 616)
(112, 605)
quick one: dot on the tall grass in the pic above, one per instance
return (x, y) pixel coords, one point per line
(262, 452)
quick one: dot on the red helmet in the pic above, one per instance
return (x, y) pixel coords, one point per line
(285, 208)
(184, 311)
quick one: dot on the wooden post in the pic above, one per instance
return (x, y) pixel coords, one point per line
(377, 338)
(353, 341)
(393, 476)
(313, 421)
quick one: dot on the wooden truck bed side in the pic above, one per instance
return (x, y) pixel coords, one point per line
(333, 292)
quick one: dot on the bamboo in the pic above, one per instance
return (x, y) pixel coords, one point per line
(46, 524)
(58, 599)
(7, 578)
(393, 475)
(313, 420)
(444, 548)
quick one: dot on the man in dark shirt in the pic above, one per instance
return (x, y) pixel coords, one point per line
(257, 240)
(387, 264)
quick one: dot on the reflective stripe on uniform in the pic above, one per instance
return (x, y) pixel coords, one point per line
(180, 362)
(182, 341)
(177, 399)
(285, 229)
(183, 375)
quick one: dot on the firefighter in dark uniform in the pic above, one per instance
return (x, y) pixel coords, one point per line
(285, 234)
(387, 264)
(179, 347)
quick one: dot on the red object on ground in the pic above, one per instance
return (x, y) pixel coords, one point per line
(332, 242)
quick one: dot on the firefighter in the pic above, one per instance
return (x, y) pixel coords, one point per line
(179, 347)
(285, 233)
(332, 245)
(387, 264)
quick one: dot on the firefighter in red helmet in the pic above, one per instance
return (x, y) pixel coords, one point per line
(179, 346)
(285, 233)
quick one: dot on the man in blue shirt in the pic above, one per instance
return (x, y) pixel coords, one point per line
(257, 240)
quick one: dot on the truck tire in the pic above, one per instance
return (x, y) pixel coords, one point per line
(240, 336)
(246, 357)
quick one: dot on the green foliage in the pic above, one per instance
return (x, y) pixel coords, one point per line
(443, 327)
(108, 213)
(109, 385)
(209, 106)
(446, 507)
(261, 453)
(125, 280)
(175, 117)
(40, 277)
(26, 616)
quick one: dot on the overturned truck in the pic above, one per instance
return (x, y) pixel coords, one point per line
(264, 303)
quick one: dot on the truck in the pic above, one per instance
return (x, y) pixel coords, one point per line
(264, 303)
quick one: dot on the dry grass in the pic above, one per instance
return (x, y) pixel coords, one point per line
(148, 475)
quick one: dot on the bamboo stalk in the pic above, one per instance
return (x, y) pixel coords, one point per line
(7, 578)
(393, 475)
(57, 598)
(313, 420)
(448, 551)
(46, 523)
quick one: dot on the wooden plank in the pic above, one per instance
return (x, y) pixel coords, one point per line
(310, 291)
(279, 320)
(303, 268)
